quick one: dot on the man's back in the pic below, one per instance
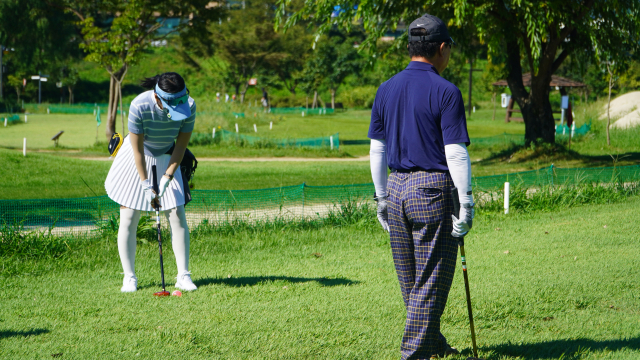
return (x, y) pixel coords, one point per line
(418, 112)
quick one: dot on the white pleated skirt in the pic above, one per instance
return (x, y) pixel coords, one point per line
(123, 182)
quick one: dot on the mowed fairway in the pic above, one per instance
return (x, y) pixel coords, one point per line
(79, 131)
(544, 286)
(39, 176)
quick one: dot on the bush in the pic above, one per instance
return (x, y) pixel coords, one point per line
(358, 97)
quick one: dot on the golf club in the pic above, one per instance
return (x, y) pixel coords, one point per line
(156, 204)
(456, 212)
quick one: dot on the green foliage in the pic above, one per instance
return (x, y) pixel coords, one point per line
(18, 242)
(554, 198)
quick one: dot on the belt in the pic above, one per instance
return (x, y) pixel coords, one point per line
(409, 171)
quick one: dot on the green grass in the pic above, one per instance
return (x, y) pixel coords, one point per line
(39, 175)
(544, 286)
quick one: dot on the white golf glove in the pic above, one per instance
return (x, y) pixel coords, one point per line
(164, 184)
(462, 225)
(149, 194)
(383, 213)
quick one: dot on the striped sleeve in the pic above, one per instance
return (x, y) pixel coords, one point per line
(135, 118)
(189, 123)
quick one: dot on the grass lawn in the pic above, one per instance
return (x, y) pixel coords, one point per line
(544, 286)
(40, 175)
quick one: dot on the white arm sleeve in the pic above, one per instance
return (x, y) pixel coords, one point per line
(459, 165)
(378, 154)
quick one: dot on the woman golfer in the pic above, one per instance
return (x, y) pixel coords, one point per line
(157, 118)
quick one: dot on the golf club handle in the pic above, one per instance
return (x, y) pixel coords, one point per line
(456, 210)
(456, 202)
(154, 176)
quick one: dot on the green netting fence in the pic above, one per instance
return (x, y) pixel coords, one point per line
(10, 119)
(80, 215)
(332, 141)
(302, 111)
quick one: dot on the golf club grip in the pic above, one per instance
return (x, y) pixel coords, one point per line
(456, 202)
(154, 175)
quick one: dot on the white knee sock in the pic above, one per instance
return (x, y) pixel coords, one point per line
(129, 219)
(179, 237)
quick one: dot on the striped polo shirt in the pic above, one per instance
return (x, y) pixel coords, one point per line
(145, 117)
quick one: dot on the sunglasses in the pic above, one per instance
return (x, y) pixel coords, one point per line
(450, 42)
(176, 101)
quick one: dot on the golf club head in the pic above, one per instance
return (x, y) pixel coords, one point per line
(162, 293)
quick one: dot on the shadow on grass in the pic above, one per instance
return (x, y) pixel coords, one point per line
(560, 349)
(547, 152)
(10, 333)
(255, 280)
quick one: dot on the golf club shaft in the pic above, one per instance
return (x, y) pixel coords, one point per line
(157, 206)
(456, 212)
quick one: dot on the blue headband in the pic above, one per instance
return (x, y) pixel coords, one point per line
(169, 96)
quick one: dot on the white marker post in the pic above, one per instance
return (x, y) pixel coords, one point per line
(573, 129)
(303, 114)
(47, 111)
(213, 135)
(5, 122)
(255, 128)
(237, 128)
(331, 141)
(24, 147)
(270, 125)
(474, 109)
(25, 118)
(506, 197)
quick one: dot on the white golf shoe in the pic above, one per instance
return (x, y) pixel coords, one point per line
(130, 283)
(184, 282)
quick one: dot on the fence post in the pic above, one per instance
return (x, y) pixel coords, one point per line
(331, 141)
(270, 125)
(24, 147)
(237, 128)
(506, 197)
(255, 128)
(213, 135)
(5, 122)
(25, 118)
(304, 185)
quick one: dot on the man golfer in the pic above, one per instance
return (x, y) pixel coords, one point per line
(419, 130)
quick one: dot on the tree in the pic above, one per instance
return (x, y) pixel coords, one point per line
(116, 33)
(247, 43)
(340, 59)
(535, 36)
(38, 35)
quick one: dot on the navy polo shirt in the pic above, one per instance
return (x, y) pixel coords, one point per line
(417, 113)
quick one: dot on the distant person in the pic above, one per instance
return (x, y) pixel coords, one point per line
(157, 118)
(226, 97)
(265, 99)
(217, 97)
(419, 130)
(233, 98)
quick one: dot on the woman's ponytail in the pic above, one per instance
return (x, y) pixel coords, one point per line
(150, 82)
(170, 82)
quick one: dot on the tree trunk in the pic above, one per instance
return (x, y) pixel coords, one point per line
(244, 91)
(333, 99)
(307, 102)
(315, 100)
(534, 104)
(70, 95)
(609, 103)
(114, 97)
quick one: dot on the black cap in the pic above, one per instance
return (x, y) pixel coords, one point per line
(436, 29)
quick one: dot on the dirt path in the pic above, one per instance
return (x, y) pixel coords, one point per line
(251, 159)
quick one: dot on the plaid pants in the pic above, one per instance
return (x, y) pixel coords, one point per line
(424, 253)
